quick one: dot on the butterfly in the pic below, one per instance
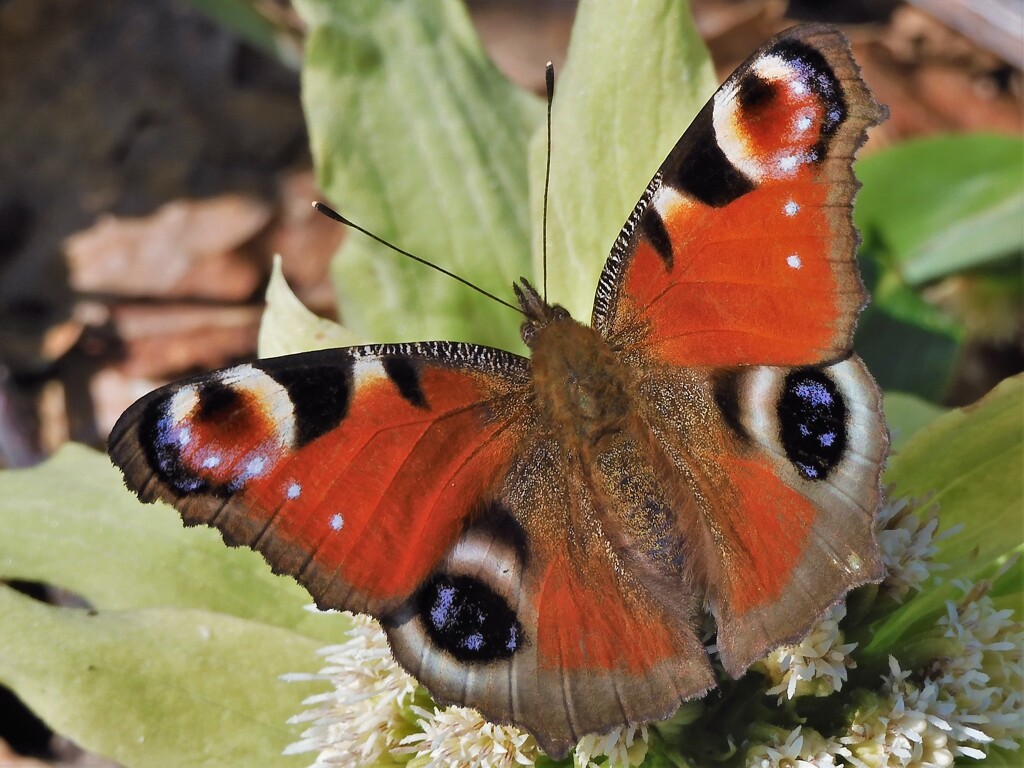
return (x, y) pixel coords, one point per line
(540, 537)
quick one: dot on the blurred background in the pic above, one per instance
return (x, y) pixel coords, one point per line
(154, 157)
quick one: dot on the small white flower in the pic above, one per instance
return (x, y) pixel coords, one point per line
(817, 666)
(624, 747)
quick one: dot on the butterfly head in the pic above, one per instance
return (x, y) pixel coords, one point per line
(539, 314)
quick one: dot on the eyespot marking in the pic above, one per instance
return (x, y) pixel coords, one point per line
(812, 422)
(217, 433)
(467, 619)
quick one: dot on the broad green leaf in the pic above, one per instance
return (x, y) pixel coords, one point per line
(287, 326)
(418, 137)
(969, 462)
(620, 105)
(940, 206)
(906, 415)
(70, 522)
(158, 688)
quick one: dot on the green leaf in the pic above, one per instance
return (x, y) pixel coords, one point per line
(906, 415)
(908, 344)
(940, 206)
(160, 687)
(620, 105)
(70, 522)
(287, 326)
(969, 462)
(418, 137)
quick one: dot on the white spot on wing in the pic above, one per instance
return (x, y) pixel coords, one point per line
(788, 163)
(255, 467)
(794, 261)
(790, 208)
(211, 461)
(294, 491)
(336, 522)
(666, 201)
(367, 369)
(804, 123)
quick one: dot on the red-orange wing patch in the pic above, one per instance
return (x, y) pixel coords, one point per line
(353, 470)
(741, 251)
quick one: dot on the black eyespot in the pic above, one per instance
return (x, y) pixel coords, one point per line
(812, 422)
(216, 401)
(468, 619)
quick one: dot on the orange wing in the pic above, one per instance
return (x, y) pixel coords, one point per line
(741, 250)
(353, 470)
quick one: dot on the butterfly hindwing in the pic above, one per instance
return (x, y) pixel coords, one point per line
(740, 250)
(534, 619)
(784, 474)
(353, 470)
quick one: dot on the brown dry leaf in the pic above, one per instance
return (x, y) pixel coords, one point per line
(191, 249)
(306, 241)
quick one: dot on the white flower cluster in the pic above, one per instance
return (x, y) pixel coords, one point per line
(815, 667)
(906, 536)
(984, 675)
(457, 736)
(624, 747)
(969, 699)
(799, 748)
(361, 718)
(370, 716)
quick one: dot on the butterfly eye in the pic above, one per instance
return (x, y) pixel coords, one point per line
(468, 619)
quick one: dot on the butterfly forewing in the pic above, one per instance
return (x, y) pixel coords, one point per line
(741, 249)
(352, 470)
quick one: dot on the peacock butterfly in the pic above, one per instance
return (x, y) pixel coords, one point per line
(539, 536)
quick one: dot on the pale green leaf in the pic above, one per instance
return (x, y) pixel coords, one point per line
(971, 463)
(70, 522)
(906, 415)
(620, 105)
(287, 326)
(942, 205)
(158, 688)
(418, 137)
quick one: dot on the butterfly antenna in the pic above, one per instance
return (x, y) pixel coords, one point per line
(333, 214)
(549, 84)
